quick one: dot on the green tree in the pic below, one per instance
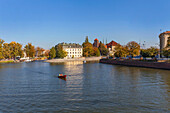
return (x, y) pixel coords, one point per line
(6, 51)
(87, 39)
(166, 53)
(133, 48)
(103, 49)
(87, 48)
(1, 49)
(52, 53)
(15, 50)
(150, 52)
(60, 53)
(30, 50)
(96, 51)
(144, 53)
(153, 51)
(121, 51)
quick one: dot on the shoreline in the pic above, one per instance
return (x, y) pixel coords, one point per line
(135, 63)
(74, 59)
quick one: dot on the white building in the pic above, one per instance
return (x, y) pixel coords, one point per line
(73, 50)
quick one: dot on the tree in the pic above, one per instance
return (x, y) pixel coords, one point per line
(6, 51)
(47, 52)
(87, 48)
(121, 51)
(96, 51)
(144, 53)
(87, 40)
(15, 50)
(39, 51)
(52, 53)
(103, 49)
(1, 49)
(133, 48)
(60, 53)
(30, 50)
(166, 53)
(153, 51)
(150, 52)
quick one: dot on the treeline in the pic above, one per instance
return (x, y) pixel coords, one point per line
(130, 49)
(133, 49)
(13, 49)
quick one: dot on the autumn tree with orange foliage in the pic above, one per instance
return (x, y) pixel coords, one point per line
(30, 50)
(87, 48)
(39, 51)
(96, 51)
(133, 48)
(121, 51)
(15, 50)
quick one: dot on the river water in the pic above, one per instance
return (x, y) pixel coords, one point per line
(90, 87)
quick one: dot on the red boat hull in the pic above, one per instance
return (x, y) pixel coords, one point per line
(64, 76)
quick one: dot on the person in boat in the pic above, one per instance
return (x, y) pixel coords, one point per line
(60, 74)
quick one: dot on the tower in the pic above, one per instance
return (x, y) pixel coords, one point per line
(164, 37)
(96, 43)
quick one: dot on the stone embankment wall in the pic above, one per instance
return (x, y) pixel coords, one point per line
(74, 59)
(158, 65)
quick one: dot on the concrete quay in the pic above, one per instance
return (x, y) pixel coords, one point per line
(135, 63)
(74, 59)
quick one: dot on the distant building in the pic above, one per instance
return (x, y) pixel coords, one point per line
(164, 37)
(96, 43)
(73, 50)
(111, 47)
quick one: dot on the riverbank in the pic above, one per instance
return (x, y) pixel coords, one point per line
(7, 61)
(74, 59)
(135, 63)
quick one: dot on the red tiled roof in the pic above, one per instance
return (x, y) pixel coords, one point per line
(96, 39)
(167, 32)
(112, 43)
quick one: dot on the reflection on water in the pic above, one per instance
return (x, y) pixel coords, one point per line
(90, 87)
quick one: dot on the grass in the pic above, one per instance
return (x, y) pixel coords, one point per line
(8, 61)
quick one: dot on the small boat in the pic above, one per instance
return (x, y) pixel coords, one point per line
(62, 76)
(28, 60)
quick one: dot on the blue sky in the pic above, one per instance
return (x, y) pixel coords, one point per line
(45, 23)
